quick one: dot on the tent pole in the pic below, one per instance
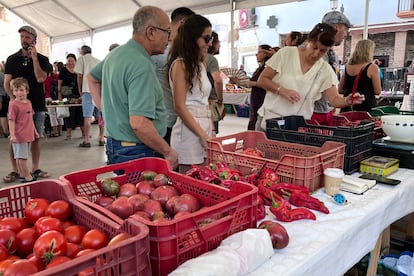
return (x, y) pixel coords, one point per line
(232, 49)
(365, 36)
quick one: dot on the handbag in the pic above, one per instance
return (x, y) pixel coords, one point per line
(66, 91)
(218, 111)
(62, 112)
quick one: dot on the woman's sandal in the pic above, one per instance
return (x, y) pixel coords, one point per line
(40, 174)
(11, 177)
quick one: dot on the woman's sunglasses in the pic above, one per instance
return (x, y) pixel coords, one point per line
(208, 39)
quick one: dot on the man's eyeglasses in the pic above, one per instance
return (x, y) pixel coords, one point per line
(164, 30)
(208, 39)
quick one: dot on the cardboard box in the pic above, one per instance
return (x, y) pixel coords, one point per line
(379, 165)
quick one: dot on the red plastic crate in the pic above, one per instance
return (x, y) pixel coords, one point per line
(354, 118)
(129, 257)
(295, 163)
(174, 242)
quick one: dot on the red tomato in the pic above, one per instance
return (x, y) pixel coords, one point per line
(38, 262)
(277, 232)
(4, 265)
(35, 209)
(50, 245)
(26, 239)
(118, 238)
(3, 252)
(58, 260)
(59, 209)
(72, 249)
(94, 239)
(45, 224)
(67, 223)
(25, 223)
(75, 233)
(13, 257)
(84, 252)
(21, 268)
(14, 224)
(8, 239)
(88, 271)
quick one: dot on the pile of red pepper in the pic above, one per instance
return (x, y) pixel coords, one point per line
(218, 173)
(281, 196)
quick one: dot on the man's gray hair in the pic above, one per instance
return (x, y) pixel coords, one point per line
(144, 17)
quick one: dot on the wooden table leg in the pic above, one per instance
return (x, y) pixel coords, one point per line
(382, 242)
(410, 227)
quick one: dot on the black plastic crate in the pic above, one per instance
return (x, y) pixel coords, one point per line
(358, 139)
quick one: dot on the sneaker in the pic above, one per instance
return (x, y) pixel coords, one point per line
(101, 143)
(85, 145)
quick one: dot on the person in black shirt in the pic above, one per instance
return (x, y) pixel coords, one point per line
(31, 65)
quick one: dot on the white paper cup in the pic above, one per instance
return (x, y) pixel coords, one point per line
(332, 180)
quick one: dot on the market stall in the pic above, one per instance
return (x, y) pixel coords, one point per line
(333, 243)
(236, 98)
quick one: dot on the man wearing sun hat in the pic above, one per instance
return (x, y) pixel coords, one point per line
(323, 111)
(31, 65)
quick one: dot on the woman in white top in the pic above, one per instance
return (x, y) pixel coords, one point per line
(295, 77)
(191, 88)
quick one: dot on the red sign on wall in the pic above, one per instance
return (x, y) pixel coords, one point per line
(244, 18)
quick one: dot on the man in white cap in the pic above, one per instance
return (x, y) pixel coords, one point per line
(323, 111)
(31, 65)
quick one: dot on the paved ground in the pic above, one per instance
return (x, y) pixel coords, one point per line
(59, 156)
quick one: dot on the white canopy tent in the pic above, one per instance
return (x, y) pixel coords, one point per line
(60, 18)
(63, 20)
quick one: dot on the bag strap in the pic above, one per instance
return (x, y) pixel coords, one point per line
(310, 88)
(355, 85)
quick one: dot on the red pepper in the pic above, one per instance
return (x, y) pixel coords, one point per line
(227, 173)
(252, 152)
(261, 212)
(250, 178)
(203, 173)
(269, 196)
(269, 175)
(301, 213)
(280, 209)
(227, 183)
(308, 201)
(283, 186)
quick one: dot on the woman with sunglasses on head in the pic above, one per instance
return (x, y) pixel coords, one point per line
(264, 53)
(191, 88)
(295, 77)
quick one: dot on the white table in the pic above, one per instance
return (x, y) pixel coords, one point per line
(236, 98)
(62, 105)
(333, 243)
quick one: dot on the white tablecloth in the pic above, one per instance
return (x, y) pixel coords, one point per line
(236, 98)
(333, 243)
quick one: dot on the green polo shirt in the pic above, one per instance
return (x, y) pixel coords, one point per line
(129, 87)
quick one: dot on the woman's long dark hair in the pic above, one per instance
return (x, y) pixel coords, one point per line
(185, 46)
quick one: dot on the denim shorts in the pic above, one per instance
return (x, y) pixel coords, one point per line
(21, 150)
(39, 121)
(118, 151)
(87, 105)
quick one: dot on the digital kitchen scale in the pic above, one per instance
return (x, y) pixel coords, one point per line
(403, 151)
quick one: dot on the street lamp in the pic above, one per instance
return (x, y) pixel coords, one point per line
(334, 4)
